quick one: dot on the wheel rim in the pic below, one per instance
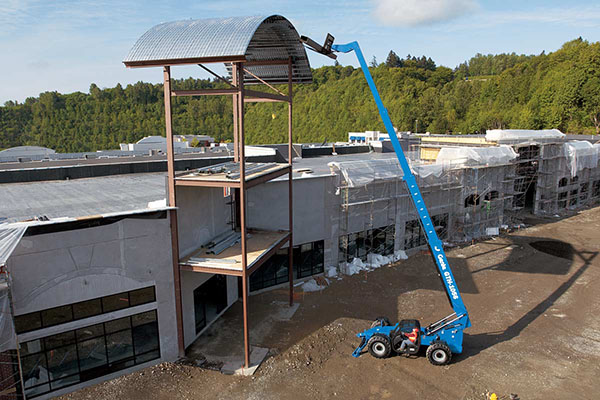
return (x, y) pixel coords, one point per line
(440, 356)
(378, 348)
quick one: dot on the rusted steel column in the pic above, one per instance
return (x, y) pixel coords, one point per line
(173, 213)
(240, 107)
(234, 75)
(290, 183)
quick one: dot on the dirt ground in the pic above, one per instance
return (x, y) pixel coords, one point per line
(535, 333)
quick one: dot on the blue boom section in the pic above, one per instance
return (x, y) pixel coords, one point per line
(435, 243)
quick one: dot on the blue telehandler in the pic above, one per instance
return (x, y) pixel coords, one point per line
(442, 338)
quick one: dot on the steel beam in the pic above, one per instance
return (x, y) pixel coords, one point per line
(206, 183)
(267, 177)
(264, 257)
(240, 106)
(210, 270)
(265, 95)
(173, 212)
(183, 61)
(260, 100)
(204, 92)
(236, 150)
(290, 184)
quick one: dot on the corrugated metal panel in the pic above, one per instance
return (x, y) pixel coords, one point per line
(256, 38)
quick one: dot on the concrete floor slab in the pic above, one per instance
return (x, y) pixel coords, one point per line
(222, 343)
(236, 366)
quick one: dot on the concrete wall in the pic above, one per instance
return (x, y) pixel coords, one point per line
(60, 268)
(203, 214)
(268, 207)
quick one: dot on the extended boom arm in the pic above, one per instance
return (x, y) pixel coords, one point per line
(435, 243)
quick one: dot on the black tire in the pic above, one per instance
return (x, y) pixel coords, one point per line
(379, 346)
(380, 321)
(439, 354)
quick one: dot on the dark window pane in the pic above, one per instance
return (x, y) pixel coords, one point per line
(35, 370)
(92, 353)
(142, 296)
(119, 365)
(119, 346)
(361, 245)
(318, 255)
(28, 322)
(378, 241)
(117, 325)
(153, 355)
(58, 315)
(31, 347)
(62, 362)
(35, 391)
(351, 247)
(145, 338)
(90, 332)
(199, 310)
(342, 248)
(63, 381)
(62, 339)
(115, 302)
(87, 309)
(144, 318)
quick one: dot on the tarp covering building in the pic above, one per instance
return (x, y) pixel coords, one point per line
(581, 154)
(473, 156)
(10, 236)
(509, 135)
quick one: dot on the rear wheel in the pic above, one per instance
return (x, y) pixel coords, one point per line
(439, 354)
(379, 346)
(380, 321)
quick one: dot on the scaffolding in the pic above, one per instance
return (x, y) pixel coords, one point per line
(464, 200)
(568, 178)
(11, 371)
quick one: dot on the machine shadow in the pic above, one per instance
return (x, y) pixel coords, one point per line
(475, 343)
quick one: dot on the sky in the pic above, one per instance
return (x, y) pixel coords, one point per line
(65, 45)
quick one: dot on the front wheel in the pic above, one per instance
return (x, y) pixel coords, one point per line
(439, 354)
(379, 346)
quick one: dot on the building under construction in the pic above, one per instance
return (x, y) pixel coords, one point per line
(115, 269)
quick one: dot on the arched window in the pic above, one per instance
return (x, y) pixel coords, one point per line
(563, 182)
(472, 200)
(574, 179)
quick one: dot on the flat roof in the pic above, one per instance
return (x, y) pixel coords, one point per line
(119, 193)
(80, 197)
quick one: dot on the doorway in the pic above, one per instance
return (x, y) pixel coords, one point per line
(210, 299)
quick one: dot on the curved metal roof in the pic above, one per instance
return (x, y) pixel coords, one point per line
(258, 38)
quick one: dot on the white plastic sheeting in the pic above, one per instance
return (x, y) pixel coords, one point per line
(363, 172)
(473, 156)
(374, 261)
(7, 330)
(10, 235)
(312, 285)
(581, 154)
(500, 135)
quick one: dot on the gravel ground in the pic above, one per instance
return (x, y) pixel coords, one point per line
(535, 330)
